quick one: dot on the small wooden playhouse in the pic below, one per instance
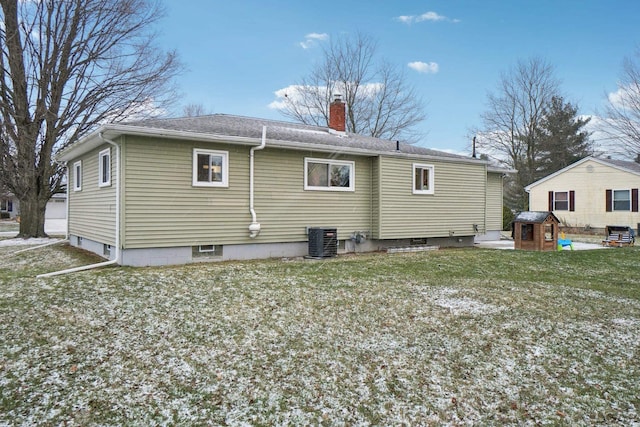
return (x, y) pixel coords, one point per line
(536, 231)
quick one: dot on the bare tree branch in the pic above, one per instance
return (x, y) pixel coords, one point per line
(65, 67)
(379, 101)
(622, 112)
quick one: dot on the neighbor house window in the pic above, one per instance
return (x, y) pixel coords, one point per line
(6, 205)
(333, 175)
(562, 200)
(618, 200)
(77, 176)
(104, 168)
(210, 168)
(423, 181)
(622, 200)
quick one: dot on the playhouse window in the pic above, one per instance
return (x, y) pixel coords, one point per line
(104, 168)
(621, 200)
(423, 179)
(333, 175)
(210, 168)
(526, 232)
(548, 232)
(77, 176)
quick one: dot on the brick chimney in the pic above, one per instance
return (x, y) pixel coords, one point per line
(337, 114)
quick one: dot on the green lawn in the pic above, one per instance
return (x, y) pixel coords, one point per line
(449, 337)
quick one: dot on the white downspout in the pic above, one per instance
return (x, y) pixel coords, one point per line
(254, 227)
(116, 260)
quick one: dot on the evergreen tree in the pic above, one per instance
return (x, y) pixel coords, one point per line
(561, 137)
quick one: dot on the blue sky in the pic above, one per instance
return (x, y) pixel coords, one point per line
(238, 53)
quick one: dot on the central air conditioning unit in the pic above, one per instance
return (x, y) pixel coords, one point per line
(323, 242)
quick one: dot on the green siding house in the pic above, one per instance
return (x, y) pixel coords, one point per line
(221, 187)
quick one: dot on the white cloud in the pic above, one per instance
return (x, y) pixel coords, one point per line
(311, 39)
(424, 67)
(427, 16)
(430, 16)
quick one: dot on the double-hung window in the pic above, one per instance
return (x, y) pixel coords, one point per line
(104, 168)
(210, 168)
(562, 200)
(77, 176)
(328, 175)
(622, 200)
(423, 179)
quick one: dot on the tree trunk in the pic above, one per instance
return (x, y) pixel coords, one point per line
(32, 210)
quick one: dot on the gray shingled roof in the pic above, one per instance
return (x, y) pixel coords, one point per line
(223, 124)
(632, 166)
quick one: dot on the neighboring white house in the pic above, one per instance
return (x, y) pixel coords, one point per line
(591, 193)
(56, 206)
(8, 206)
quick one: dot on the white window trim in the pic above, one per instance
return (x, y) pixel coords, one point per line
(225, 168)
(104, 153)
(432, 183)
(77, 176)
(613, 199)
(568, 201)
(352, 174)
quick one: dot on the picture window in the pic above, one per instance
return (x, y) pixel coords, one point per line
(328, 175)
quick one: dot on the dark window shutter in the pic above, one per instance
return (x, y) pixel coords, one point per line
(572, 201)
(634, 200)
(609, 200)
(550, 200)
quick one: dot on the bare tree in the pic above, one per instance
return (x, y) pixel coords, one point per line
(379, 101)
(513, 118)
(622, 122)
(66, 66)
(194, 110)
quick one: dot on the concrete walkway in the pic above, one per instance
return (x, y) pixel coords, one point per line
(508, 244)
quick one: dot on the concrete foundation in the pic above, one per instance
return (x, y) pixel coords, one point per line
(189, 254)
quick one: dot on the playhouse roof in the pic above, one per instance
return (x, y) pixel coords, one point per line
(536, 217)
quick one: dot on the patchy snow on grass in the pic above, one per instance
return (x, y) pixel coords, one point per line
(369, 341)
(33, 241)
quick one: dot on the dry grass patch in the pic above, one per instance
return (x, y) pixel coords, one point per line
(458, 337)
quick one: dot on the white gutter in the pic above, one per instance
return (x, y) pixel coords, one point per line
(254, 227)
(116, 260)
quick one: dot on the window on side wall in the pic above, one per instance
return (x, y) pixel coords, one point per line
(621, 200)
(77, 176)
(328, 175)
(104, 168)
(562, 200)
(423, 179)
(210, 168)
